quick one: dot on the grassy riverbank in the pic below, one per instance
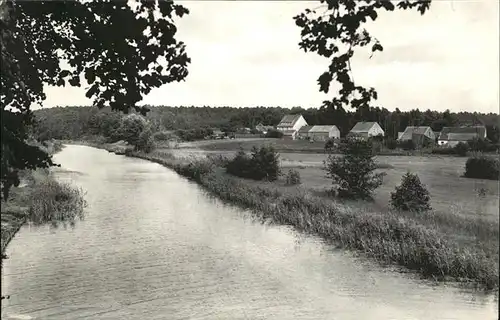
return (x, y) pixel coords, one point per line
(39, 199)
(441, 246)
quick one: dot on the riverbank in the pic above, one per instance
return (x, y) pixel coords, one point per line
(39, 199)
(438, 246)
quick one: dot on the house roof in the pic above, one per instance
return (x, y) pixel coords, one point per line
(363, 126)
(323, 128)
(460, 133)
(289, 119)
(305, 129)
(410, 131)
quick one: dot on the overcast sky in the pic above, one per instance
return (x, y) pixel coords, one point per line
(246, 54)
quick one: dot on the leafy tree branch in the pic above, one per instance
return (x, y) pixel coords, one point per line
(336, 32)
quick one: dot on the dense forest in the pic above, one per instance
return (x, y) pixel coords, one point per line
(78, 122)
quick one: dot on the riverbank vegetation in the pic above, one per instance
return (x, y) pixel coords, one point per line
(40, 199)
(442, 245)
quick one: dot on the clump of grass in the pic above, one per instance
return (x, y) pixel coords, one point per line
(53, 201)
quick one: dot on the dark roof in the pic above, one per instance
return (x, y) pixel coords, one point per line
(289, 120)
(305, 129)
(363, 126)
(461, 133)
(410, 131)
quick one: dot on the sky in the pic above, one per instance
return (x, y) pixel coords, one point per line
(246, 53)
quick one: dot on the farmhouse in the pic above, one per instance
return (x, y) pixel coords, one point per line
(323, 133)
(290, 125)
(451, 136)
(262, 128)
(418, 135)
(303, 132)
(366, 130)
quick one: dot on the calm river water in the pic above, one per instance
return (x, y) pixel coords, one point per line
(155, 246)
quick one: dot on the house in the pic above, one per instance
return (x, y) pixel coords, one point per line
(290, 125)
(451, 136)
(303, 132)
(323, 133)
(262, 128)
(366, 130)
(418, 135)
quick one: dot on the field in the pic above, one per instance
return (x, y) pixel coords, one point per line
(281, 145)
(442, 175)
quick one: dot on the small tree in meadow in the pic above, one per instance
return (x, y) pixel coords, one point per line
(353, 173)
(411, 195)
(265, 163)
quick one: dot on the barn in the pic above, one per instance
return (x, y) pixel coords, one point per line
(323, 133)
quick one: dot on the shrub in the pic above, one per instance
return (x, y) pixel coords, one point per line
(329, 144)
(293, 177)
(273, 133)
(130, 128)
(461, 149)
(262, 164)
(353, 173)
(240, 165)
(483, 145)
(195, 169)
(145, 142)
(391, 144)
(194, 134)
(265, 163)
(482, 167)
(411, 195)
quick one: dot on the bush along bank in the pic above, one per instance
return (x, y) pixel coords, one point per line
(388, 236)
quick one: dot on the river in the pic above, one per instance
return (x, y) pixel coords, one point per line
(155, 246)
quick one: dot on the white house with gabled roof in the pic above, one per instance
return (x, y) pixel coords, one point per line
(290, 125)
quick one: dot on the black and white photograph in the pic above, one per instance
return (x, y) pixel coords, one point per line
(250, 160)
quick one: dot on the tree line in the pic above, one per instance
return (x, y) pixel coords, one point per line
(81, 122)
